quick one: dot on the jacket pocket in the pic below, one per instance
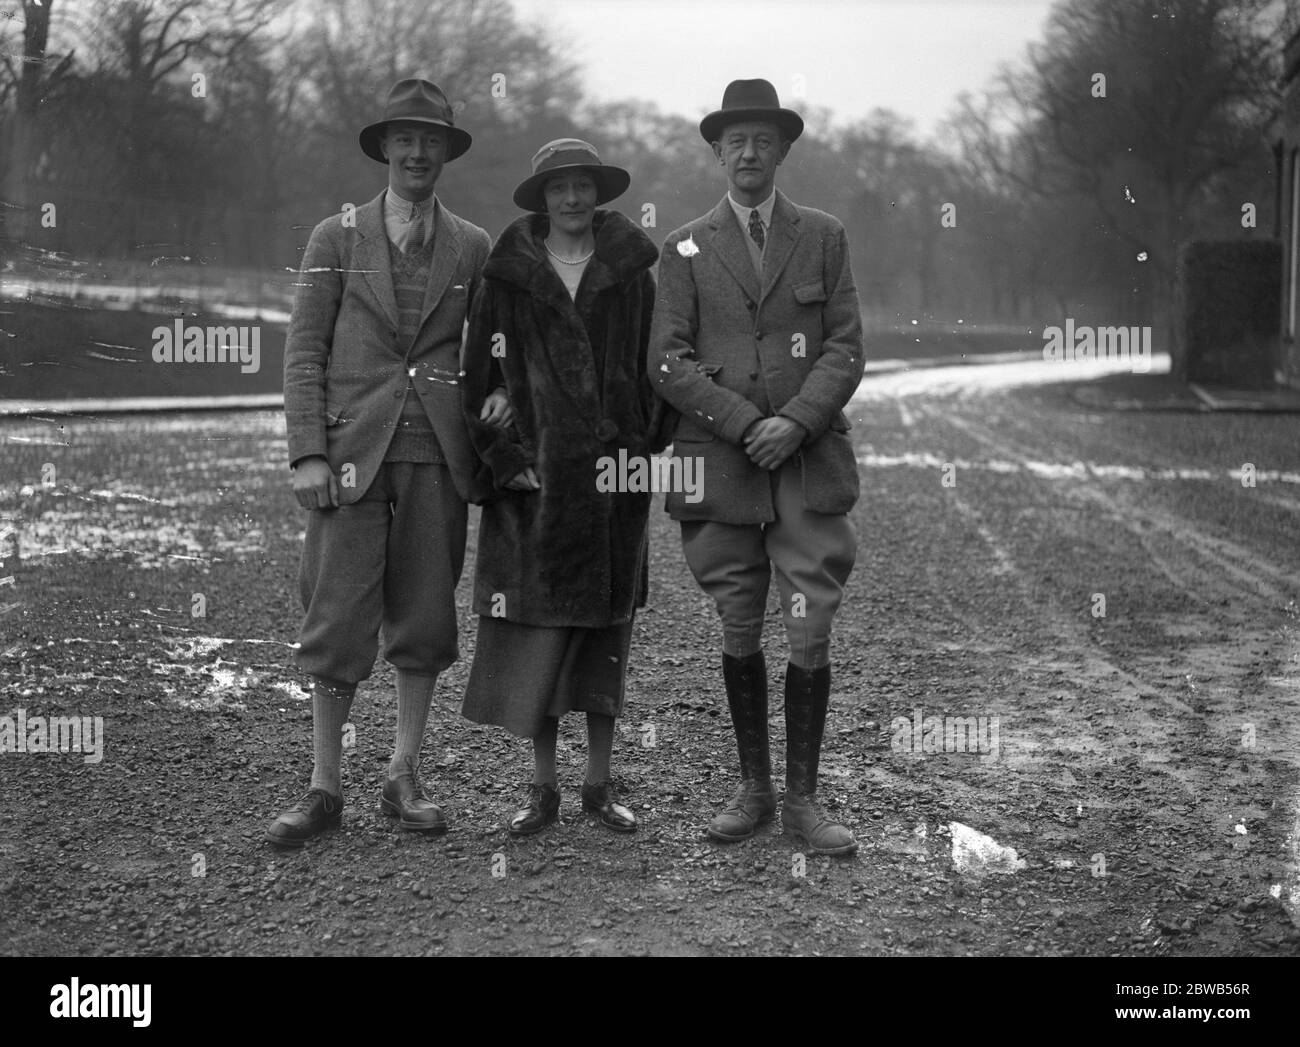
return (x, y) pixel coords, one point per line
(809, 293)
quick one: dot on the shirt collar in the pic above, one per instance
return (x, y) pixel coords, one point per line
(764, 209)
(405, 210)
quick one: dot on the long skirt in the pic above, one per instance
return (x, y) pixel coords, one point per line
(524, 673)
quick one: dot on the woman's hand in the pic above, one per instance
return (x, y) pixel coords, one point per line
(497, 410)
(525, 481)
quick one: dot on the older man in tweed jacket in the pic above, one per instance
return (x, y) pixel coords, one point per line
(757, 343)
(380, 452)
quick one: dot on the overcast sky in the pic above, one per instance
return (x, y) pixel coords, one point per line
(912, 56)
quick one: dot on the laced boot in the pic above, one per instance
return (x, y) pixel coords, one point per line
(807, 695)
(755, 801)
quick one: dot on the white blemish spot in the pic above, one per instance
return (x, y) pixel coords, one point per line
(974, 852)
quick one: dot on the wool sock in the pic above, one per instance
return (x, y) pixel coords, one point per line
(330, 706)
(544, 770)
(414, 695)
(600, 745)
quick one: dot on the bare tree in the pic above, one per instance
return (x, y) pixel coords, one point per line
(1139, 109)
(146, 47)
(34, 81)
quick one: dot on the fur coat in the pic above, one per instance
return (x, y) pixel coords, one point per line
(568, 554)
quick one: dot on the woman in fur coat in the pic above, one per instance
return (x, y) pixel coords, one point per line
(554, 388)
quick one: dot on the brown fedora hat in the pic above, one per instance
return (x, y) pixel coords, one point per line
(751, 100)
(560, 155)
(421, 102)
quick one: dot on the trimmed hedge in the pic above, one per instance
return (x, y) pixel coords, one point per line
(1228, 312)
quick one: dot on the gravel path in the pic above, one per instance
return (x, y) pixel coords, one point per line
(1141, 764)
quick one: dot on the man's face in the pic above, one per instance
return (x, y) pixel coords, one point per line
(415, 153)
(570, 201)
(751, 153)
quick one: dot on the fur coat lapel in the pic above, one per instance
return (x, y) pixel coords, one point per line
(519, 258)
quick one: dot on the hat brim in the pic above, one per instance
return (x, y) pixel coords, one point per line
(611, 182)
(458, 141)
(790, 122)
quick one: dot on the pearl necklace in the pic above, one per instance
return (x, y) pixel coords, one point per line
(568, 261)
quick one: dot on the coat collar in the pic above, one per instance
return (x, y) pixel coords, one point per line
(519, 259)
(370, 255)
(622, 251)
(729, 242)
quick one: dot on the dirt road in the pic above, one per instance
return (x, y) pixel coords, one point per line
(1090, 599)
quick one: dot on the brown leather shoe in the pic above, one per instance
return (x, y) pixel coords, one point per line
(811, 829)
(403, 798)
(542, 808)
(316, 812)
(603, 800)
(753, 805)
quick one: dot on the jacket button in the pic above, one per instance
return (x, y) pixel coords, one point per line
(753, 375)
(398, 394)
(750, 306)
(606, 430)
(758, 335)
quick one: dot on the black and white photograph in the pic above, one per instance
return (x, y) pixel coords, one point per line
(658, 478)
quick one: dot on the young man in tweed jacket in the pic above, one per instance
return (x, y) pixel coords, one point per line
(379, 449)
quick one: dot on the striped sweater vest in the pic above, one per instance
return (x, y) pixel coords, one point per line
(414, 439)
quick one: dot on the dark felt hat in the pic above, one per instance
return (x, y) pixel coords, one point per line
(745, 100)
(560, 155)
(421, 102)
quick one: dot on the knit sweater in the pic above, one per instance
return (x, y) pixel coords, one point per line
(414, 439)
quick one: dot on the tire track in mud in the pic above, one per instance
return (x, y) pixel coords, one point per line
(1210, 571)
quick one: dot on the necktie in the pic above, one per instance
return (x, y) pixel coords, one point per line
(415, 232)
(756, 229)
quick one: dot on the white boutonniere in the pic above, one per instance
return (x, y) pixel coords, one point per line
(687, 247)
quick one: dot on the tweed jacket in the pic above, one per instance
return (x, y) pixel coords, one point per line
(345, 373)
(726, 351)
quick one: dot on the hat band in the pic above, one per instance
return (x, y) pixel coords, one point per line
(567, 158)
(422, 115)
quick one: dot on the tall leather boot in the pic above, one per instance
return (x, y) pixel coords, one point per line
(755, 800)
(807, 695)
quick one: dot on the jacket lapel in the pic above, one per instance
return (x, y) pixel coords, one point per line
(370, 255)
(781, 241)
(446, 253)
(731, 249)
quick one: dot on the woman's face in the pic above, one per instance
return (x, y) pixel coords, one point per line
(571, 201)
